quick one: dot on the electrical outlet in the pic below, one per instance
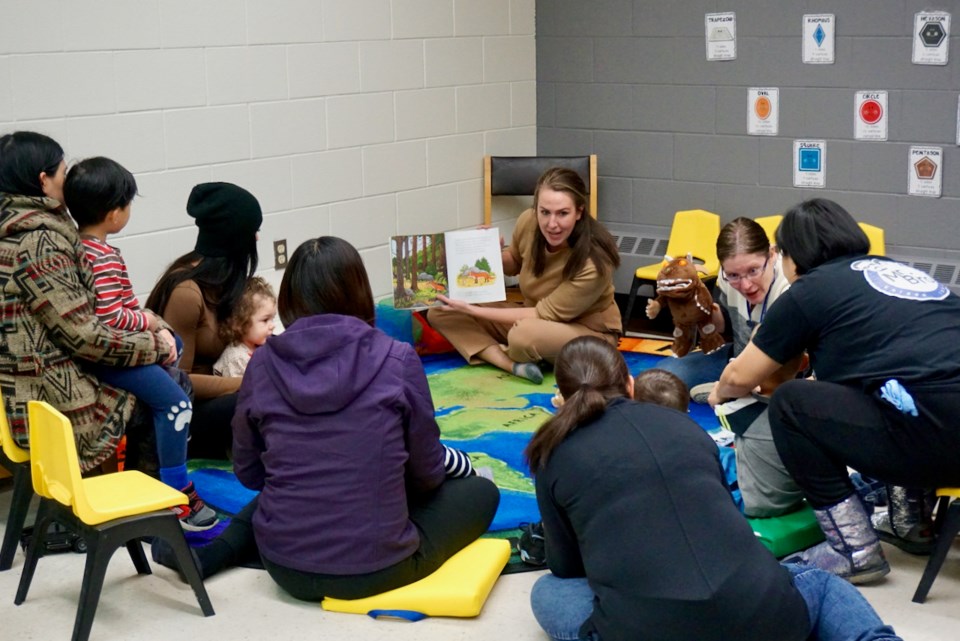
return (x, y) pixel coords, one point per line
(279, 254)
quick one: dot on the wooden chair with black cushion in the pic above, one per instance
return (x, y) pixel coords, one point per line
(518, 175)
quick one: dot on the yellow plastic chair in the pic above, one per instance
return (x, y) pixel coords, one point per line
(694, 232)
(459, 588)
(108, 511)
(769, 224)
(876, 235)
(518, 175)
(947, 527)
(17, 461)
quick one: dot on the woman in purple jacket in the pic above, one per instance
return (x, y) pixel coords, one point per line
(335, 427)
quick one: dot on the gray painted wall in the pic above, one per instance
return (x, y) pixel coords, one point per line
(629, 81)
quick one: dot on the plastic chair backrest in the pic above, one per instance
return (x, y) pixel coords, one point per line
(695, 232)
(518, 175)
(769, 224)
(54, 466)
(13, 451)
(878, 246)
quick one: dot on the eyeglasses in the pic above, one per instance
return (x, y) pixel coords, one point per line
(753, 274)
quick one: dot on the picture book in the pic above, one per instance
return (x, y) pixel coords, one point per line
(462, 265)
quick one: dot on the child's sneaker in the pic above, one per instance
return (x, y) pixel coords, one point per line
(531, 546)
(196, 516)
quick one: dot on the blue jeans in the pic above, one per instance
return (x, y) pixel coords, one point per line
(838, 612)
(561, 606)
(170, 405)
(696, 367)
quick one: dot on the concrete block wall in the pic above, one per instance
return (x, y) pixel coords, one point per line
(358, 118)
(629, 81)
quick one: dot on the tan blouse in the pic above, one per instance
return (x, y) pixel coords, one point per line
(586, 299)
(196, 324)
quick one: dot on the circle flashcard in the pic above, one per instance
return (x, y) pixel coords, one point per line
(870, 115)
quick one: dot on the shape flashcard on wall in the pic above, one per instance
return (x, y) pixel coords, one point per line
(763, 111)
(818, 30)
(925, 171)
(809, 163)
(721, 36)
(931, 37)
(958, 121)
(870, 115)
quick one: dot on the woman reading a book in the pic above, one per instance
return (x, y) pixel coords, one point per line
(565, 261)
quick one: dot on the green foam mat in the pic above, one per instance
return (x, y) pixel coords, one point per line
(783, 535)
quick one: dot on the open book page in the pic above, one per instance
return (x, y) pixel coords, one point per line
(419, 266)
(475, 265)
(465, 265)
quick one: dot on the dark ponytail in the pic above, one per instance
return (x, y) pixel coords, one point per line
(590, 373)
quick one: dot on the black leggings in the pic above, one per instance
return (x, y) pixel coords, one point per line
(211, 435)
(447, 519)
(821, 428)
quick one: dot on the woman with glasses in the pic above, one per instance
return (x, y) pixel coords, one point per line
(884, 341)
(751, 278)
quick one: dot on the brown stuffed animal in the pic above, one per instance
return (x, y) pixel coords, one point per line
(690, 303)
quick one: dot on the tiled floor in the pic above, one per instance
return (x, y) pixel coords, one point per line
(250, 606)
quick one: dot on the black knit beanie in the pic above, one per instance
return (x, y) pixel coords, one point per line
(227, 216)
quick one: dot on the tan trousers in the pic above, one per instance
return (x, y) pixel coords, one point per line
(527, 341)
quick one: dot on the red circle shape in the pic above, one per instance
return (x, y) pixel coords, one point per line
(871, 112)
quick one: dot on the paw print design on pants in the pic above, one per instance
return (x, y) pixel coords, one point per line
(180, 414)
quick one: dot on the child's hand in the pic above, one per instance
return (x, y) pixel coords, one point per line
(153, 321)
(167, 336)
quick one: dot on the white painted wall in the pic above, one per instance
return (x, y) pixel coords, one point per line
(358, 118)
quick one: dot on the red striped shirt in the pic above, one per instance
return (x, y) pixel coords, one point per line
(116, 304)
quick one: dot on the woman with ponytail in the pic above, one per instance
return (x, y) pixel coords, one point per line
(643, 540)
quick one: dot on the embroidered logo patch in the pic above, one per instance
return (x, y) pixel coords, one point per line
(900, 281)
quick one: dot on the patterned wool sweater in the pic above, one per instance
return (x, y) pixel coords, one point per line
(49, 332)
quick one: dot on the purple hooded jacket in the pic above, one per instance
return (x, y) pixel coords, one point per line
(334, 424)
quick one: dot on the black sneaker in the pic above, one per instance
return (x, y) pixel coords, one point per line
(531, 546)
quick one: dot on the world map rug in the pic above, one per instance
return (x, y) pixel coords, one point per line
(486, 412)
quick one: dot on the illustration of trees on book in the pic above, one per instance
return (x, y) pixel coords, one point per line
(419, 270)
(422, 265)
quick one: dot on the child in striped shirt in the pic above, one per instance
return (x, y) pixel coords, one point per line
(98, 193)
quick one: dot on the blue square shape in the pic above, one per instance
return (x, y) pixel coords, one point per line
(810, 159)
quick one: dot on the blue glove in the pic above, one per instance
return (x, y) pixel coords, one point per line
(897, 395)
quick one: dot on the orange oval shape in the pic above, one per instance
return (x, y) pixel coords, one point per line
(762, 107)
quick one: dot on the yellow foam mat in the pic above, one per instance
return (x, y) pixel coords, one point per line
(459, 588)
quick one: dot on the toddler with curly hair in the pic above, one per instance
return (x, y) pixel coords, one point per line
(248, 327)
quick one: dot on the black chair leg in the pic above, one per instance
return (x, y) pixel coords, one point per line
(171, 532)
(628, 313)
(135, 549)
(19, 506)
(98, 558)
(34, 552)
(948, 531)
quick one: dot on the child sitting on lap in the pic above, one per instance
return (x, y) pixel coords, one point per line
(248, 327)
(99, 193)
